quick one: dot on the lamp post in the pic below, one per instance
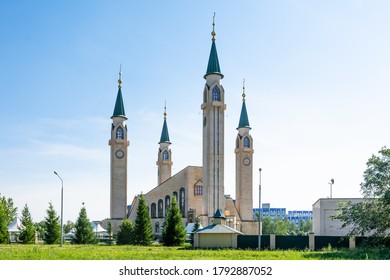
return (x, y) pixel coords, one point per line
(62, 207)
(331, 184)
(259, 241)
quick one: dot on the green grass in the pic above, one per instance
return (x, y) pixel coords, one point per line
(104, 252)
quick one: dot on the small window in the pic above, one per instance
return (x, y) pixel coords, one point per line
(216, 94)
(157, 227)
(176, 196)
(198, 190)
(247, 143)
(165, 155)
(119, 133)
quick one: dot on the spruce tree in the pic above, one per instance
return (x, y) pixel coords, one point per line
(174, 233)
(83, 229)
(27, 231)
(3, 224)
(109, 232)
(51, 226)
(143, 233)
(7, 216)
(194, 229)
(126, 233)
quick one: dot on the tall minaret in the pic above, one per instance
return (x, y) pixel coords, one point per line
(164, 160)
(244, 165)
(119, 144)
(213, 134)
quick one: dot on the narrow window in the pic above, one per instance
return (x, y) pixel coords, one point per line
(165, 155)
(153, 210)
(176, 196)
(167, 204)
(160, 208)
(216, 94)
(119, 133)
(182, 201)
(247, 143)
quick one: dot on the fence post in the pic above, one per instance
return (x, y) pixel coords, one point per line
(311, 241)
(352, 242)
(272, 241)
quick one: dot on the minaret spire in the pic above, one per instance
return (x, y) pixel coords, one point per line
(164, 133)
(213, 65)
(244, 120)
(243, 90)
(213, 32)
(120, 77)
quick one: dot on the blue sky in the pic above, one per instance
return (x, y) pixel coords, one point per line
(317, 85)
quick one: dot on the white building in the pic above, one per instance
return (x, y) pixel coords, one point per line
(323, 209)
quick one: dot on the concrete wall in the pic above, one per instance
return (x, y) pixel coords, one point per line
(323, 209)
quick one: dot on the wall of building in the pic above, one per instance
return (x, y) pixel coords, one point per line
(323, 209)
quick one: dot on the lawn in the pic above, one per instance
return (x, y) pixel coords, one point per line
(105, 252)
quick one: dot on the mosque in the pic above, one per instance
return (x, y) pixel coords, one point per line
(199, 190)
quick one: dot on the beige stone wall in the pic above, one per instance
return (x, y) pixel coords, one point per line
(249, 227)
(187, 178)
(213, 145)
(217, 240)
(118, 189)
(244, 176)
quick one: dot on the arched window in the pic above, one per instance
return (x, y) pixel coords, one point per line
(157, 227)
(160, 208)
(165, 155)
(153, 210)
(205, 96)
(216, 94)
(176, 196)
(247, 142)
(119, 133)
(182, 201)
(167, 203)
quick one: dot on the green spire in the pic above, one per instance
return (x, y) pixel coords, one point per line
(244, 121)
(213, 65)
(119, 109)
(164, 133)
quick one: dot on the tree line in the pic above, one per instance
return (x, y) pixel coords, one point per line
(369, 217)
